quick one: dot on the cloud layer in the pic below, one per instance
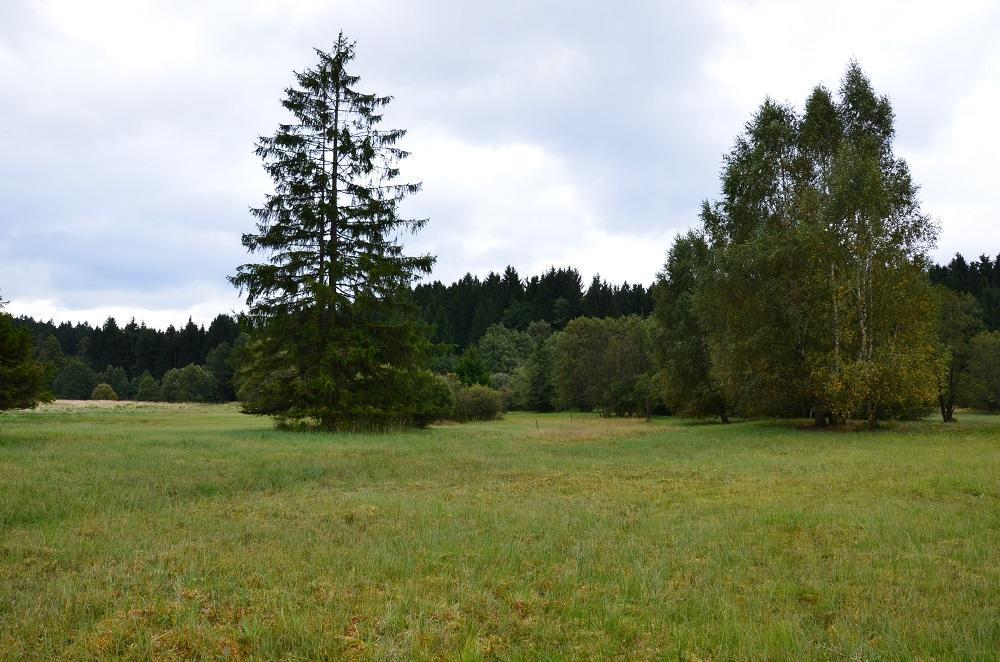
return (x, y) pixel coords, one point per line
(545, 133)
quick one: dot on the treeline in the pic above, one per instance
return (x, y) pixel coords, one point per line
(461, 313)
(980, 279)
(623, 361)
(134, 347)
(637, 366)
(81, 356)
(190, 364)
(602, 364)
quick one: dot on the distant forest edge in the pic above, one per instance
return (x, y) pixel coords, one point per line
(459, 315)
(194, 363)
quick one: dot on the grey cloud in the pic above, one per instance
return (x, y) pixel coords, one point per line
(130, 170)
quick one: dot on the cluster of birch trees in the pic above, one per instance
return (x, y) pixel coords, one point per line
(804, 288)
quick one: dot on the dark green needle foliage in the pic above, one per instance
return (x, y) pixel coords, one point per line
(335, 337)
(22, 378)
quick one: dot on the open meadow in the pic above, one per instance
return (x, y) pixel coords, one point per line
(178, 531)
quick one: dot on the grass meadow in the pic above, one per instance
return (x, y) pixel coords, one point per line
(175, 532)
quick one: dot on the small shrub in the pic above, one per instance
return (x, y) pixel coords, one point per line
(478, 403)
(147, 389)
(75, 381)
(472, 369)
(434, 399)
(116, 378)
(192, 383)
(103, 392)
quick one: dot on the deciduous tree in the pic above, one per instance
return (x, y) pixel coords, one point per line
(818, 298)
(680, 346)
(147, 389)
(76, 380)
(958, 324)
(984, 372)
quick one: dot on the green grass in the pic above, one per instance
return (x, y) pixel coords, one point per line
(178, 532)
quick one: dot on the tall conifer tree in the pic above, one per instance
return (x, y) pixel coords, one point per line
(22, 378)
(335, 338)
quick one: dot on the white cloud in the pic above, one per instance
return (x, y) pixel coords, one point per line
(208, 306)
(958, 172)
(523, 205)
(935, 61)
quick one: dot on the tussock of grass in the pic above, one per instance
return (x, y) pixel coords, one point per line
(178, 532)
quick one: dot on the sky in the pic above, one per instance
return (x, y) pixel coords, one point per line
(580, 134)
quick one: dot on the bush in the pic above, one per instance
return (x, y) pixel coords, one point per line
(434, 400)
(147, 389)
(116, 378)
(478, 403)
(103, 392)
(472, 369)
(76, 380)
(192, 383)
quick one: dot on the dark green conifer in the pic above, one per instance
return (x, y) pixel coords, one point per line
(22, 378)
(335, 337)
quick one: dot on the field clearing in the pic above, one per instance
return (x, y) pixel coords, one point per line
(193, 531)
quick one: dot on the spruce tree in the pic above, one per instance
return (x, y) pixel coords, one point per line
(335, 337)
(22, 378)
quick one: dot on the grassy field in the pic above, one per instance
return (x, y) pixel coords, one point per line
(194, 531)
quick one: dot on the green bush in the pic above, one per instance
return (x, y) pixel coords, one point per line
(103, 392)
(147, 389)
(478, 403)
(192, 383)
(116, 378)
(76, 380)
(472, 369)
(434, 399)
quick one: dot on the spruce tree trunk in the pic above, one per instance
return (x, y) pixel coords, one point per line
(334, 174)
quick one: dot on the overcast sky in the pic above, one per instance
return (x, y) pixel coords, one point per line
(546, 134)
